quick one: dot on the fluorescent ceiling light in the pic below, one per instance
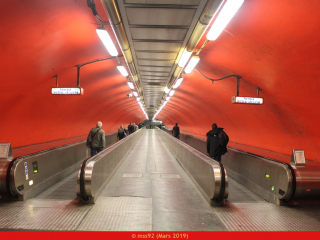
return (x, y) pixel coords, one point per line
(193, 62)
(135, 94)
(131, 86)
(224, 17)
(166, 90)
(122, 70)
(107, 41)
(167, 99)
(171, 93)
(184, 58)
(177, 84)
(138, 99)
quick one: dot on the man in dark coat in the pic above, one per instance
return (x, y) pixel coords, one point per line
(176, 131)
(213, 147)
(130, 128)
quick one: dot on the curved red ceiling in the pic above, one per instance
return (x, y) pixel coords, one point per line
(272, 44)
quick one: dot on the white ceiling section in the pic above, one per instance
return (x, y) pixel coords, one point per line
(157, 32)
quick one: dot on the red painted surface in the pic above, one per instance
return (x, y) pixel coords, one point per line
(45, 38)
(272, 44)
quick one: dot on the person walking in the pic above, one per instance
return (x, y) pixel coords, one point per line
(96, 140)
(135, 127)
(121, 133)
(130, 128)
(217, 141)
(176, 131)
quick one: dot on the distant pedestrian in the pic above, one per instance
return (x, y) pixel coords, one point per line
(130, 128)
(135, 127)
(176, 131)
(121, 133)
(217, 141)
(96, 140)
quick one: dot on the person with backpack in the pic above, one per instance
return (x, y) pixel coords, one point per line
(176, 131)
(96, 140)
(217, 141)
(121, 133)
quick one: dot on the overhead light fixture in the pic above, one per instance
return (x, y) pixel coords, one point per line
(166, 90)
(224, 17)
(135, 94)
(184, 58)
(192, 63)
(138, 99)
(167, 99)
(131, 86)
(171, 93)
(107, 41)
(122, 70)
(177, 84)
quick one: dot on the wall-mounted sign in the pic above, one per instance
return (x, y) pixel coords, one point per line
(5, 151)
(298, 158)
(248, 100)
(67, 91)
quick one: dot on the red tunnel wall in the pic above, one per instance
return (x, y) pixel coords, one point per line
(39, 40)
(271, 44)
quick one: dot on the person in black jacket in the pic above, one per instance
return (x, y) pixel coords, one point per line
(176, 131)
(130, 128)
(213, 147)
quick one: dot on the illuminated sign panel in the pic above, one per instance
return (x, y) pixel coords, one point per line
(249, 100)
(67, 91)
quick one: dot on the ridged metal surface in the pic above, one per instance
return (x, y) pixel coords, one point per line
(119, 214)
(169, 176)
(268, 217)
(132, 175)
(37, 214)
(153, 203)
(63, 190)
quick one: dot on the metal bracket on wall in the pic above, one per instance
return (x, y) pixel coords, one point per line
(98, 60)
(233, 75)
(56, 76)
(258, 89)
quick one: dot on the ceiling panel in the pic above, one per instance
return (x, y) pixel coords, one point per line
(162, 69)
(155, 74)
(159, 33)
(157, 46)
(160, 16)
(154, 55)
(168, 2)
(167, 63)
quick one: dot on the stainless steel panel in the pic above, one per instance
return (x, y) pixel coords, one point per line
(4, 164)
(53, 165)
(251, 171)
(205, 172)
(159, 33)
(101, 167)
(160, 16)
(307, 182)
